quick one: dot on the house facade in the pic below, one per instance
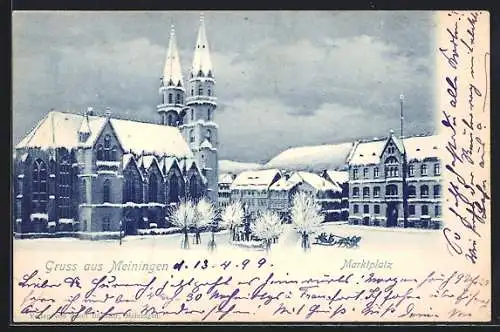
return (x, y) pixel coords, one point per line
(376, 182)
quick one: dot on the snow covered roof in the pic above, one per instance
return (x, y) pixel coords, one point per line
(257, 180)
(285, 184)
(147, 161)
(206, 144)
(85, 127)
(172, 73)
(58, 129)
(338, 177)
(312, 158)
(127, 157)
(167, 163)
(417, 148)
(201, 59)
(316, 181)
(226, 178)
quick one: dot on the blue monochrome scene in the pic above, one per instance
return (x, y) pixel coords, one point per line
(326, 152)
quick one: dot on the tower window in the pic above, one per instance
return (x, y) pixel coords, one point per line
(192, 114)
(192, 92)
(64, 188)
(39, 186)
(178, 98)
(209, 92)
(170, 98)
(191, 136)
(106, 191)
(209, 116)
(200, 91)
(209, 135)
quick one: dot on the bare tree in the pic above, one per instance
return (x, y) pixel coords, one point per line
(267, 227)
(232, 217)
(183, 217)
(205, 215)
(306, 217)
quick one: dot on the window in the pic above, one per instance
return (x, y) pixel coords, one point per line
(192, 114)
(100, 152)
(437, 169)
(411, 210)
(355, 173)
(437, 210)
(191, 136)
(424, 191)
(153, 188)
(365, 173)
(170, 120)
(178, 98)
(130, 193)
(375, 172)
(106, 225)
(173, 189)
(107, 141)
(200, 91)
(113, 153)
(412, 191)
(86, 190)
(39, 186)
(209, 135)
(106, 191)
(425, 210)
(391, 160)
(209, 116)
(391, 172)
(355, 192)
(376, 191)
(194, 187)
(391, 190)
(366, 208)
(209, 92)
(64, 189)
(411, 170)
(355, 208)
(437, 190)
(376, 209)
(170, 98)
(423, 170)
(192, 92)
(366, 192)
(390, 149)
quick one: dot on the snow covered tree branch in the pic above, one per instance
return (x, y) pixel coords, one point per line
(306, 216)
(232, 217)
(267, 227)
(183, 216)
(204, 216)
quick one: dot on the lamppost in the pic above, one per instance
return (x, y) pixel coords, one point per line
(405, 185)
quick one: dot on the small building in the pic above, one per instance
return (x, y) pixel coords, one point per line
(225, 181)
(341, 179)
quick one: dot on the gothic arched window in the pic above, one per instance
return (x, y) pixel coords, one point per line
(209, 115)
(173, 189)
(192, 114)
(107, 141)
(106, 191)
(194, 189)
(191, 136)
(424, 191)
(178, 98)
(153, 188)
(209, 92)
(64, 188)
(412, 191)
(170, 98)
(200, 91)
(100, 152)
(39, 186)
(113, 153)
(209, 135)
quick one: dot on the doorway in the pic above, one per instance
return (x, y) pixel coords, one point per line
(392, 214)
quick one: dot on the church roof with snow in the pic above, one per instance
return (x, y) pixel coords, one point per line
(312, 158)
(58, 129)
(417, 148)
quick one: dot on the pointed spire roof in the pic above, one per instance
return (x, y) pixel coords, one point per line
(201, 60)
(172, 73)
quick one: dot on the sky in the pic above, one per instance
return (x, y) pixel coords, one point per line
(284, 78)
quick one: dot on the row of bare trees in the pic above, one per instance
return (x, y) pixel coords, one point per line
(305, 216)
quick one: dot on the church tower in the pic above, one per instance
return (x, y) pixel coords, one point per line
(198, 127)
(171, 87)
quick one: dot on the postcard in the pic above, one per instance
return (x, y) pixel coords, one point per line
(244, 166)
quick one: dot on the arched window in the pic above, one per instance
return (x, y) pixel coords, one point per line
(412, 191)
(170, 98)
(192, 114)
(391, 160)
(192, 92)
(39, 186)
(173, 189)
(209, 135)
(191, 136)
(209, 115)
(194, 188)
(153, 188)
(376, 191)
(64, 191)
(200, 91)
(437, 190)
(113, 153)
(355, 192)
(391, 190)
(375, 172)
(366, 192)
(178, 98)
(209, 92)
(86, 191)
(355, 208)
(411, 170)
(424, 191)
(423, 170)
(100, 152)
(107, 141)
(106, 191)
(425, 210)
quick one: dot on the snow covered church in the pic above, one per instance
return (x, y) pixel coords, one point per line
(96, 173)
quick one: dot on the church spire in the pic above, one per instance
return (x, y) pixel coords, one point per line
(202, 64)
(172, 73)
